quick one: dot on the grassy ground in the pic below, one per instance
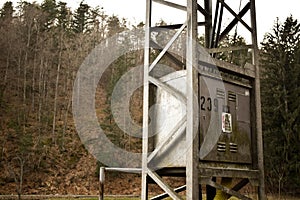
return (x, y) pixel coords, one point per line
(106, 198)
(269, 197)
(135, 198)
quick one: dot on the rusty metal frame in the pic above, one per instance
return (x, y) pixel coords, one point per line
(147, 172)
(197, 173)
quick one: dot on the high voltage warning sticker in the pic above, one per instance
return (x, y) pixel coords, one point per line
(226, 123)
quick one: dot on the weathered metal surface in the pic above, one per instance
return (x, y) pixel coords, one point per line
(240, 70)
(230, 138)
(216, 98)
(144, 192)
(258, 117)
(191, 135)
(101, 183)
(126, 170)
(169, 112)
(227, 190)
(171, 4)
(216, 101)
(229, 172)
(163, 185)
(165, 195)
(224, 49)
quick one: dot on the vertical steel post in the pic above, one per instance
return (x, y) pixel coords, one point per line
(144, 194)
(260, 164)
(101, 183)
(208, 23)
(192, 84)
(192, 184)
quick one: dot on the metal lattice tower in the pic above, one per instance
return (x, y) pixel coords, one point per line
(205, 171)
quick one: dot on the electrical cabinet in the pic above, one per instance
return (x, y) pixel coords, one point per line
(225, 131)
(224, 121)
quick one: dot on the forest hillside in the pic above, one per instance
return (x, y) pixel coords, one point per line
(42, 47)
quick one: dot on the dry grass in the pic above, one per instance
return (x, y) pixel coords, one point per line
(269, 197)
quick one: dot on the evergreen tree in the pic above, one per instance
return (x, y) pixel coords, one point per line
(50, 8)
(63, 16)
(81, 20)
(239, 57)
(281, 104)
(6, 13)
(114, 25)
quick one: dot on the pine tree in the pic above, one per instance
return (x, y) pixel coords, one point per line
(281, 104)
(80, 22)
(63, 16)
(114, 25)
(239, 57)
(49, 7)
(6, 13)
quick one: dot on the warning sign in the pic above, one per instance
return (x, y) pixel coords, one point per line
(226, 123)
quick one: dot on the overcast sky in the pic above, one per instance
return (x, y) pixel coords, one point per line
(134, 11)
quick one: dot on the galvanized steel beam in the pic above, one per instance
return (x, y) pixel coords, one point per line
(260, 162)
(192, 154)
(164, 185)
(251, 72)
(144, 193)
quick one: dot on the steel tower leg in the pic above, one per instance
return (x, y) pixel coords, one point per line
(144, 194)
(214, 33)
(192, 86)
(260, 162)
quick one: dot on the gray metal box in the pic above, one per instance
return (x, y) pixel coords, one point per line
(225, 131)
(224, 122)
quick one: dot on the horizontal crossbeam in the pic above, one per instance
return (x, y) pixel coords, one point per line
(171, 4)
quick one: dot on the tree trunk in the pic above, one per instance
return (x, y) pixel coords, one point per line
(56, 88)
